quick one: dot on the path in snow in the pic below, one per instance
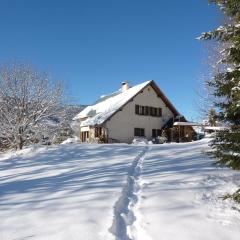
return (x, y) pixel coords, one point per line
(62, 192)
(181, 195)
(124, 210)
(168, 191)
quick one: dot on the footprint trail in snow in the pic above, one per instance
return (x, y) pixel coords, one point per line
(125, 225)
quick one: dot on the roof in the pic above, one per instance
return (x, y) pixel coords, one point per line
(186, 124)
(107, 106)
(219, 128)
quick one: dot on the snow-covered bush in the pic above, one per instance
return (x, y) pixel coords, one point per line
(140, 140)
(71, 140)
(162, 140)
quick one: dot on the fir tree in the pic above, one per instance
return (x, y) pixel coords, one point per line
(212, 117)
(226, 85)
(64, 132)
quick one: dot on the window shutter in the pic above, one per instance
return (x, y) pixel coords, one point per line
(160, 112)
(137, 109)
(155, 111)
(146, 110)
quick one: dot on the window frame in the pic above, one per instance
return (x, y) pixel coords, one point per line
(139, 132)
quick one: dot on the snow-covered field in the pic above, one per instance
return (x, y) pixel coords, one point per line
(95, 192)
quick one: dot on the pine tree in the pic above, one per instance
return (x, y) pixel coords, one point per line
(212, 117)
(226, 85)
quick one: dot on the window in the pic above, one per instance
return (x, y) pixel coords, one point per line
(153, 111)
(141, 110)
(148, 111)
(139, 132)
(159, 112)
(156, 133)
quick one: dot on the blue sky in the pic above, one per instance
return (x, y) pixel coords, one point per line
(94, 45)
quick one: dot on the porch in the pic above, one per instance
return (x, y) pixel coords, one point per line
(95, 134)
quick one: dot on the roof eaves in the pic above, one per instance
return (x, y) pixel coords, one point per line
(164, 98)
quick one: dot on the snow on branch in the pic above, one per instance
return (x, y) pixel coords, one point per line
(27, 99)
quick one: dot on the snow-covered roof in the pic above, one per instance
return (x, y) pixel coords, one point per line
(218, 128)
(186, 124)
(99, 112)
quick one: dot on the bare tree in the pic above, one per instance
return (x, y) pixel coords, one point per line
(28, 99)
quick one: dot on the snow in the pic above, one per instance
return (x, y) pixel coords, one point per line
(217, 128)
(229, 69)
(98, 113)
(140, 141)
(71, 140)
(186, 124)
(116, 191)
(181, 195)
(236, 88)
(62, 192)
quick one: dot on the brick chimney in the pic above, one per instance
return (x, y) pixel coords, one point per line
(125, 86)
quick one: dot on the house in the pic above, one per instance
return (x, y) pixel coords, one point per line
(139, 111)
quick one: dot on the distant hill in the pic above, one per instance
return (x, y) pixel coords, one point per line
(72, 110)
(68, 112)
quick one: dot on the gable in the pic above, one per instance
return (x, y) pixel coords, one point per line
(104, 109)
(146, 97)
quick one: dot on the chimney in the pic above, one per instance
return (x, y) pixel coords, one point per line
(125, 86)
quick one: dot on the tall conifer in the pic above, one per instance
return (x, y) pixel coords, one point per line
(226, 85)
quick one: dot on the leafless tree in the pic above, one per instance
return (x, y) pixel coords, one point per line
(28, 99)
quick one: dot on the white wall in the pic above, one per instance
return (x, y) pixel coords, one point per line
(121, 125)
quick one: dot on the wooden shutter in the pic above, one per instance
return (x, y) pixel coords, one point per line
(137, 109)
(146, 110)
(160, 112)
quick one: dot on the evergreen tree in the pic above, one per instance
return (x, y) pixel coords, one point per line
(226, 85)
(64, 132)
(212, 117)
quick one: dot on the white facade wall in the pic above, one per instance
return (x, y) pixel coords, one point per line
(121, 125)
